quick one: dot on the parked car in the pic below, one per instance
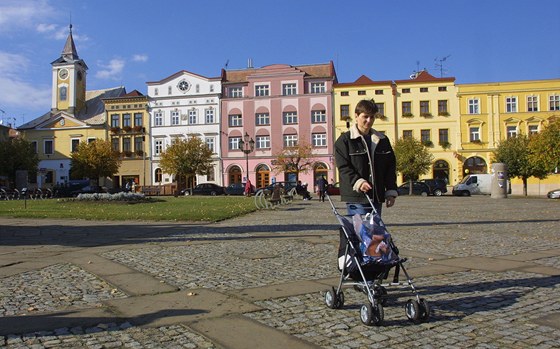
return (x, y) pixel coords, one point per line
(438, 187)
(204, 189)
(553, 194)
(418, 188)
(333, 189)
(237, 189)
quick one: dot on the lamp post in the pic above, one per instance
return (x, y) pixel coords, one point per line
(247, 144)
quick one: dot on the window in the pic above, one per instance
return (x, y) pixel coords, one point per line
(235, 92)
(473, 105)
(442, 107)
(425, 108)
(115, 144)
(406, 108)
(361, 93)
(511, 104)
(235, 120)
(532, 103)
(442, 88)
(158, 175)
(75, 144)
(319, 139)
(344, 93)
(261, 90)
(63, 93)
(169, 90)
(156, 91)
(290, 141)
(126, 146)
(318, 116)
(554, 102)
(262, 119)
(378, 92)
(262, 142)
(318, 87)
(511, 131)
(210, 144)
(35, 147)
(289, 117)
(533, 129)
(48, 147)
(209, 116)
(138, 144)
(233, 143)
(443, 136)
(405, 90)
(344, 111)
(137, 119)
(158, 118)
(158, 146)
(175, 120)
(114, 120)
(289, 89)
(425, 135)
(423, 89)
(193, 117)
(407, 134)
(126, 122)
(381, 108)
(474, 134)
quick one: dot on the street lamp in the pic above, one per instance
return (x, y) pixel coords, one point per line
(247, 144)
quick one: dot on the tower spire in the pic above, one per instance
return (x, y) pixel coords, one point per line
(69, 51)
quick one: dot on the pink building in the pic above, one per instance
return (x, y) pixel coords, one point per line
(276, 106)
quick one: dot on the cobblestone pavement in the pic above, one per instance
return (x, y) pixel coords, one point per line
(489, 268)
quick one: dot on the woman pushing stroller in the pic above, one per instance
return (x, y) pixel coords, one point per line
(366, 163)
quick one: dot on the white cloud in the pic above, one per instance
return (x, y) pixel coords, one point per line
(140, 58)
(46, 28)
(17, 93)
(111, 71)
(17, 14)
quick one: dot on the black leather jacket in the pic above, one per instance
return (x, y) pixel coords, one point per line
(355, 166)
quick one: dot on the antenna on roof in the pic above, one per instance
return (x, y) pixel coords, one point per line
(439, 64)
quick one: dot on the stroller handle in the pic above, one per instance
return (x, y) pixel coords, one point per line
(336, 212)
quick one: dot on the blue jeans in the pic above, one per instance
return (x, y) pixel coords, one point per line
(362, 209)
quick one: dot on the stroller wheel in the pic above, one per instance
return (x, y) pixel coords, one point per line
(412, 310)
(424, 310)
(372, 314)
(334, 300)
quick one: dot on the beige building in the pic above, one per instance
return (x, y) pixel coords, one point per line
(492, 112)
(128, 125)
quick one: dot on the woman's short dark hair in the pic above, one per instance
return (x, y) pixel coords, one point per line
(366, 106)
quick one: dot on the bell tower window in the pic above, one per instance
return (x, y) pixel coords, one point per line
(63, 93)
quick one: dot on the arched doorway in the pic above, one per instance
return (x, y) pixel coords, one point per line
(474, 164)
(263, 176)
(234, 174)
(441, 170)
(319, 170)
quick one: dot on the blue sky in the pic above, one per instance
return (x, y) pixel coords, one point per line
(131, 42)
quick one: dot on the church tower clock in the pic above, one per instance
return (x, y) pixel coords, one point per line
(69, 80)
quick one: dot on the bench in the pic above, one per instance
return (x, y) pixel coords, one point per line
(266, 198)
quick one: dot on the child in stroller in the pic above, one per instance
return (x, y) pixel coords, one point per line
(366, 255)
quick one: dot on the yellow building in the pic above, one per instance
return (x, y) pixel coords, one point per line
(76, 116)
(423, 107)
(128, 125)
(492, 112)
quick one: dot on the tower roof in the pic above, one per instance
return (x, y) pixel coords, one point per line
(69, 50)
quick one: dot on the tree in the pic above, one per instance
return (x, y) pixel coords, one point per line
(298, 159)
(515, 154)
(544, 147)
(186, 158)
(17, 154)
(95, 160)
(413, 158)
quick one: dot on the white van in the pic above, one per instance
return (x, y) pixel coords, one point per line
(474, 184)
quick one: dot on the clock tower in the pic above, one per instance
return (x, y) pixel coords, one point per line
(68, 80)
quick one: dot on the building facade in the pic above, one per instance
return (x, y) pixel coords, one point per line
(492, 112)
(128, 128)
(185, 105)
(273, 108)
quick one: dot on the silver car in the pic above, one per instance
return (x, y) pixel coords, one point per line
(553, 194)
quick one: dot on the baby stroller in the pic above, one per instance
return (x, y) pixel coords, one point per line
(366, 256)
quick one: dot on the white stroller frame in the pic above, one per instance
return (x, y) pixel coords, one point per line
(417, 310)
